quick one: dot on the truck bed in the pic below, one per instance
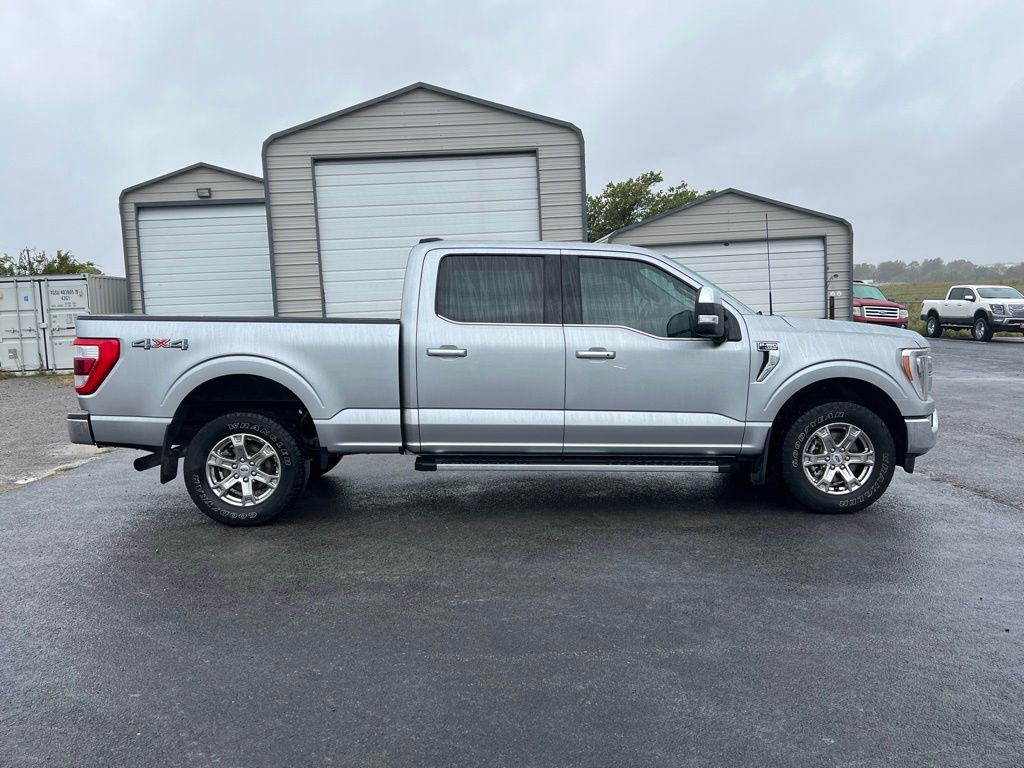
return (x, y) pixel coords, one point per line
(345, 372)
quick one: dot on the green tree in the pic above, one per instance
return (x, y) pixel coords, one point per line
(865, 271)
(30, 261)
(627, 202)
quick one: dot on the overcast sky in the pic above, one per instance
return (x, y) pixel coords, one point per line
(905, 118)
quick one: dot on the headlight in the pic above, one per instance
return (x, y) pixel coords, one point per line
(904, 314)
(857, 311)
(997, 309)
(917, 367)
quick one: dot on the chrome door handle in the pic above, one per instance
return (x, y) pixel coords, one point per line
(595, 353)
(446, 351)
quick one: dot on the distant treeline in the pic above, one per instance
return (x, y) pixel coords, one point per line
(937, 271)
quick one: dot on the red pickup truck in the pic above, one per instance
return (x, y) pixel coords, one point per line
(871, 306)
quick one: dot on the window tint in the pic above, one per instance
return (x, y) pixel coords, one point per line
(491, 289)
(636, 295)
(956, 294)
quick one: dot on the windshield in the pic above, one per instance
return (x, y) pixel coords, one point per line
(861, 291)
(1000, 292)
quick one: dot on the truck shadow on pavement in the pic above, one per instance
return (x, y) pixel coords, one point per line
(525, 496)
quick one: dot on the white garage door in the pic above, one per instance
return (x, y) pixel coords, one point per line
(370, 212)
(798, 272)
(209, 260)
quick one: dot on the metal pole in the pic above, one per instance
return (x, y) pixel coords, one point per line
(768, 249)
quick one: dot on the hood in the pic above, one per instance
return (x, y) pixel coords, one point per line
(765, 324)
(876, 303)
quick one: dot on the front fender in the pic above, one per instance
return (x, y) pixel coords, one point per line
(251, 365)
(833, 369)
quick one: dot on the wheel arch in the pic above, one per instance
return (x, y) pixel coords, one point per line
(840, 389)
(210, 396)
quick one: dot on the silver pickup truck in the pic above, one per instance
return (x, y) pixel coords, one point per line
(512, 356)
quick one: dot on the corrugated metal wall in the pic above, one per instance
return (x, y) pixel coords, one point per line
(37, 316)
(417, 121)
(734, 217)
(178, 187)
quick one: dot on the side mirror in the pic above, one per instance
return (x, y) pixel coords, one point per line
(710, 315)
(680, 325)
(968, 297)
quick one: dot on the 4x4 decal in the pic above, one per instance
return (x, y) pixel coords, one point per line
(160, 344)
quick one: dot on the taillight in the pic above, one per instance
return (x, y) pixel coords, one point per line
(93, 360)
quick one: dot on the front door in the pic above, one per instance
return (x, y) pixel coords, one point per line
(637, 380)
(490, 355)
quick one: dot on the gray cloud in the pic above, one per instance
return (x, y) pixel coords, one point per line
(904, 118)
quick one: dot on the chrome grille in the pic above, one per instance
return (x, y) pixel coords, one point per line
(1015, 310)
(889, 313)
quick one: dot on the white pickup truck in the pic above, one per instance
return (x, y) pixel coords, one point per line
(984, 309)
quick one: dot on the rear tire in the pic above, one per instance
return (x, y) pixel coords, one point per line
(245, 468)
(932, 327)
(837, 457)
(982, 331)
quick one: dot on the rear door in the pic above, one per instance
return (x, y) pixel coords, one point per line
(637, 383)
(490, 354)
(956, 306)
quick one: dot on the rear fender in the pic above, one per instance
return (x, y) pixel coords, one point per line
(251, 365)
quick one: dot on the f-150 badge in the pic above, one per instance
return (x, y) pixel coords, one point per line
(160, 344)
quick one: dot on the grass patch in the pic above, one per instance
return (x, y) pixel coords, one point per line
(911, 295)
(65, 378)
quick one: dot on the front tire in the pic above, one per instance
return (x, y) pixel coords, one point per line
(837, 457)
(982, 330)
(245, 469)
(316, 471)
(932, 328)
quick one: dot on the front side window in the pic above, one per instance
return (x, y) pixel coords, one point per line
(957, 294)
(491, 289)
(636, 295)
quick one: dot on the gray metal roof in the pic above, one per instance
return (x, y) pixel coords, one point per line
(186, 169)
(426, 87)
(729, 191)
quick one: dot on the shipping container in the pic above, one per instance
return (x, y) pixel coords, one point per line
(37, 317)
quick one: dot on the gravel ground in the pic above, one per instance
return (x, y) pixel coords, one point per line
(32, 411)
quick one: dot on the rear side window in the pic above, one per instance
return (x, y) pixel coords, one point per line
(956, 294)
(491, 289)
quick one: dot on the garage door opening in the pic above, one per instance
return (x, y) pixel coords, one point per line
(741, 268)
(370, 212)
(205, 260)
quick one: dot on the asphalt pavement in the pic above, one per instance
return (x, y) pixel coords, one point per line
(404, 618)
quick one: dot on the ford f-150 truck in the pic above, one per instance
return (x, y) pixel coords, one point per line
(984, 309)
(512, 356)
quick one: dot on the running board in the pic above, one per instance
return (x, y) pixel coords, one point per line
(570, 464)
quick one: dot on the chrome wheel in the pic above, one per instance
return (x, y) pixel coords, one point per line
(838, 458)
(243, 470)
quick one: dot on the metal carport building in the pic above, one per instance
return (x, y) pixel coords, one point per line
(724, 237)
(195, 243)
(349, 193)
